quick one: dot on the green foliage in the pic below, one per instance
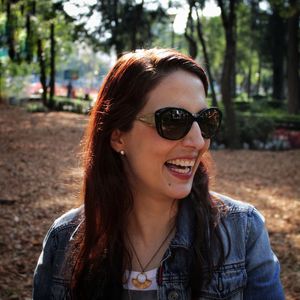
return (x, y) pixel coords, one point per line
(72, 105)
(131, 24)
(62, 104)
(255, 128)
(251, 128)
(124, 25)
(215, 42)
(36, 107)
(257, 119)
(14, 79)
(23, 25)
(265, 107)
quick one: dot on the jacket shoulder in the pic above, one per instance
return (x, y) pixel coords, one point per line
(246, 242)
(64, 227)
(52, 258)
(71, 218)
(233, 206)
(240, 216)
(62, 230)
(242, 220)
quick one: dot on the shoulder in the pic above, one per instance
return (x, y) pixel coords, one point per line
(241, 219)
(232, 206)
(52, 258)
(71, 218)
(249, 261)
(64, 227)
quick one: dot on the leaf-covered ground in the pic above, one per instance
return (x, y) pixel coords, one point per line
(40, 179)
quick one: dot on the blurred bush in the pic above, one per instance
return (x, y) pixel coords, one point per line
(258, 121)
(62, 104)
(36, 107)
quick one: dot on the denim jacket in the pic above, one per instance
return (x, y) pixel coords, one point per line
(251, 270)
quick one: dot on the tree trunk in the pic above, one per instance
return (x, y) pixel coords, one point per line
(1, 80)
(52, 64)
(227, 92)
(137, 12)
(206, 59)
(233, 72)
(42, 63)
(133, 38)
(249, 81)
(293, 61)
(227, 84)
(119, 46)
(278, 51)
(28, 39)
(259, 76)
(193, 50)
(10, 32)
(29, 34)
(116, 36)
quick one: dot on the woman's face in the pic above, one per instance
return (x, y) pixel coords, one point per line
(157, 167)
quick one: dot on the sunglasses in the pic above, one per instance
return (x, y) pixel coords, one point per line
(174, 123)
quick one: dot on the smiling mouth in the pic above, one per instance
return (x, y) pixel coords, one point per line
(182, 166)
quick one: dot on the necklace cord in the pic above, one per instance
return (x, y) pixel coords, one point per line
(155, 253)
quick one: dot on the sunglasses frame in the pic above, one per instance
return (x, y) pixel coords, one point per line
(154, 120)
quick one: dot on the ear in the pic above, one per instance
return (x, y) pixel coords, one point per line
(117, 140)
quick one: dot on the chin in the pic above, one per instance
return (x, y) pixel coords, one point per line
(181, 193)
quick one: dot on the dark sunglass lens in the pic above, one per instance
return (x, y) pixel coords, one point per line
(174, 123)
(209, 122)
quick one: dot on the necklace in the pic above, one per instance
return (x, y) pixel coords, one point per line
(141, 281)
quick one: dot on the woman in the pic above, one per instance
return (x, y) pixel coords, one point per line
(149, 227)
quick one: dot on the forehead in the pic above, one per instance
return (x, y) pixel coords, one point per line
(180, 89)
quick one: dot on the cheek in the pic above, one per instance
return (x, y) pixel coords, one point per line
(146, 142)
(142, 150)
(203, 153)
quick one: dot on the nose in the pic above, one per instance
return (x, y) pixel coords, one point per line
(194, 137)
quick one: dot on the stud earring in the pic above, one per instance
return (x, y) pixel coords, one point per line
(122, 152)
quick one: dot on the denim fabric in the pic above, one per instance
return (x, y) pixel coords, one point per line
(250, 272)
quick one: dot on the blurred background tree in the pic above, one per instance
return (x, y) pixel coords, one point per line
(28, 35)
(249, 48)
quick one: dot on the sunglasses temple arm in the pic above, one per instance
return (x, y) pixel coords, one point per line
(148, 119)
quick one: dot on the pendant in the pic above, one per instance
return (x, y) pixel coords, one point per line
(141, 281)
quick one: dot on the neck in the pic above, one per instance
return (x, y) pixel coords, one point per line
(151, 219)
(149, 230)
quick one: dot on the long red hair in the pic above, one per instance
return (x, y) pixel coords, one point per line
(101, 255)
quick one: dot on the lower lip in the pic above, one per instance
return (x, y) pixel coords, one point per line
(180, 175)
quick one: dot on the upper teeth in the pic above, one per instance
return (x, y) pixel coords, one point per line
(182, 162)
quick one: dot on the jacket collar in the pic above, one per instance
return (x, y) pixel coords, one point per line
(185, 225)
